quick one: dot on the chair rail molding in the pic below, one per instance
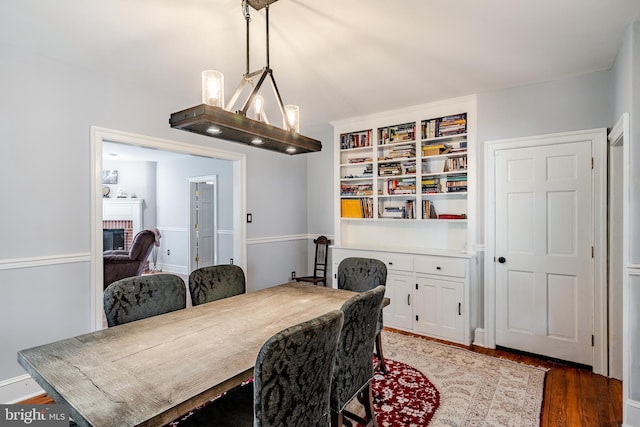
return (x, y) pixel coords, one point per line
(30, 262)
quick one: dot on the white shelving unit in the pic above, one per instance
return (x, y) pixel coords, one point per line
(387, 166)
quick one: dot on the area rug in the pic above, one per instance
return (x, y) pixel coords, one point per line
(402, 397)
(475, 389)
(436, 385)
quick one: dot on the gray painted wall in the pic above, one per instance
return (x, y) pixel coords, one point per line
(47, 109)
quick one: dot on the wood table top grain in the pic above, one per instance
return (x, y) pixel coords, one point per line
(151, 371)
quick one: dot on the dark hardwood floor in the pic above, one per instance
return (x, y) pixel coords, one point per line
(573, 396)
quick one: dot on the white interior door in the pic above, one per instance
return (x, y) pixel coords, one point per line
(203, 222)
(544, 271)
(205, 227)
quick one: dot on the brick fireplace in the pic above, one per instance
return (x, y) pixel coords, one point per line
(126, 225)
(123, 214)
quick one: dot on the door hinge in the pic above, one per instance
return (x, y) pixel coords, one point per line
(416, 286)
(593, 252)
(593, 341)
(592, 163)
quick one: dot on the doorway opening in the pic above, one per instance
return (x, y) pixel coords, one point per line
(99, 136)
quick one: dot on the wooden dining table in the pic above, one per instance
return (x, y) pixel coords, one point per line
(150, 372)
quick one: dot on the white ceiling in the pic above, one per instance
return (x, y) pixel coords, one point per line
(334, 58)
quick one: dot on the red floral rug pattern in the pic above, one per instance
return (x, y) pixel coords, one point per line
(404, 396)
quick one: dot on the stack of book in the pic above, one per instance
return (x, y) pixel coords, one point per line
(444, 126)
(356, 189)
(453, 125)
(430, 185)
(409, 167)
(402, 152)
(399, 133)
(401, 186)
(394, 212)
(389, 169)
(456, 183)
(359, 160)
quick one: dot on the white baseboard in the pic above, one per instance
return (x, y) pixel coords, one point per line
(632, 413)
(17, 389)
(478, 337)
(173, 268)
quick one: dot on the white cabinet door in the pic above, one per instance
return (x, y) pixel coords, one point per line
(399, 289)
(440, 308)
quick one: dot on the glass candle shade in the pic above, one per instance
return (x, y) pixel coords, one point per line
(213, 88)
(292, 115)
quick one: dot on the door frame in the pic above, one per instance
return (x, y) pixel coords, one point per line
(98, 136)
(598, 139)
(201, 180)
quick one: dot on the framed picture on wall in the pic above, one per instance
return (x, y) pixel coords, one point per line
(110, 176)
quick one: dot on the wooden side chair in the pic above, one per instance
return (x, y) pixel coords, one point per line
(319, 263)
(360, 275)
(215, 282)
(139, 297)
(353, 370)
(292, 381)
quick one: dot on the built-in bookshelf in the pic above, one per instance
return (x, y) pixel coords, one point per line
(405, 170)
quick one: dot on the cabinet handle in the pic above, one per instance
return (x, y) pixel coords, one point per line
(390, 263)
(438, 268)
(408, 299)
(459, 309)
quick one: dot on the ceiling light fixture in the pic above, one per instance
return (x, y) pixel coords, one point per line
(214, 118)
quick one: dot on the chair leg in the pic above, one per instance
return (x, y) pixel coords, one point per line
(381, 365)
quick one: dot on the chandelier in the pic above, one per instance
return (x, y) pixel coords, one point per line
(215, 119)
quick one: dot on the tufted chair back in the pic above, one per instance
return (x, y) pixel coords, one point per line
(353, 369)
(215, 282)
(139, 297)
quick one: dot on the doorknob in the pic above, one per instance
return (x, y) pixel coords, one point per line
(502, 260)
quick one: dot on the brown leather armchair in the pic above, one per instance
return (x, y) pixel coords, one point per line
(119, 264)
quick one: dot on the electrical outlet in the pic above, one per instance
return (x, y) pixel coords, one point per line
(168, 252)
(293, 275)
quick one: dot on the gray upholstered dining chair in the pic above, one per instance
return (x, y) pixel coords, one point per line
(139, 297)
(292, 381)
(353, 370)
(215, 282)
(363, 274)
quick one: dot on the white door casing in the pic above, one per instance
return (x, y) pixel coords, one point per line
(548, 309)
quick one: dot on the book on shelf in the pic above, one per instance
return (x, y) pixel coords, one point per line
(432, 211)
(444, 126)
(393, 212)
(430, 185)
(428, 210)
(401, 186)
(389, 169)
(456, 164)
(356, 189)
(355, 139)
(398, 133)
(356, 208)
(452, 216)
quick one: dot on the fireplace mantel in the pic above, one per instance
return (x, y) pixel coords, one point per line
(123, 210)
